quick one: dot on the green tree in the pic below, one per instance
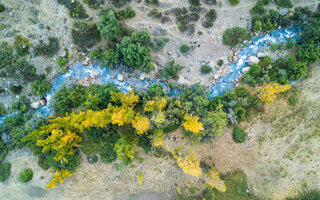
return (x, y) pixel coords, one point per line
(235, 35)
(26, 175)
(109, 26)
(40, 87)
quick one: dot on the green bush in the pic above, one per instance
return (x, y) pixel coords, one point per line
(43, 161)
(194, 2)
(307, 195)
(4, 171)
(293, 101)
(127, 13)
(76, 9)
(211, 15)
(253, 76)
(258, 9)
(40, 87)
(264, 2)
(238, 135)
(85, 35)
(159, 43)
(2, 110)
(284, 3)
(47, 50)
(62, 62)
(154, 2)
(108, 26)
(16, 89)
(135, 50)
(22, 104)
(2, 8)
(235, 35)
(220, 62)
(234, 2)
(3, 151)
(26, 175)
(206, 69)
(156, 90)
(22, 45)
(95, 4)
(184, 48)
(170, 71)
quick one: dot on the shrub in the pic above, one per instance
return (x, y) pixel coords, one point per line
(22, 104)
(284, 3)
(234, 36)
(47, 50)
(40, 87)
(154, 2)
(62, 62)
(156, 90)
(2, 8)
(16, 89)
(135, 50)
(22, 45)
(194, 2)
(184, 48)
(26, 175)
(211, 15)
(43, 161)
(206, 69)
(159, 43)
(170, 71)
(234, 2)
(108, 26)
(3, 151)
(238, 135)
(2, 110)
(220, 62)
(4, 171)
(95, 4)
(293, 101)
(264, 2)
(85, 35)
(128, 12)
(258, 9)
(76, 9)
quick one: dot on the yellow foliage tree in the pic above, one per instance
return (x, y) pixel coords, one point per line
(157, 138)
(188, 163)
(192, 124)
(58, 177)
(268, 92)
(156, 105)
(141, 124)
(140, 178)
(214, 181)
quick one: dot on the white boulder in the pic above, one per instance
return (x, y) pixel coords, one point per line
(253, 60)
(35, 105)
(120, 77)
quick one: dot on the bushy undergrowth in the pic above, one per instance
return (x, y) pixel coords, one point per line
(85, 35)
(4, 171)
(26, 175)
(235, 35)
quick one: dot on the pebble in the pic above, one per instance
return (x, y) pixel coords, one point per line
(117, 178)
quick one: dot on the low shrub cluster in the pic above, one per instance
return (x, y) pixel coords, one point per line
(127, 13)
(209, 17)
(170, 71)
(184, 48)
(40, 87)
(95, 4)
(76, 9)
(47, 50)
(235, 35)
(26, 175)
(85, 35)
(4, 171)
(238, 135)
(206, 69)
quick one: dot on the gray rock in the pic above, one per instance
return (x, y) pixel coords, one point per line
(188, 69)
(235, 58)
(245, 69)
(117, 178)
(253, 60)
(169, 52)
(41, 26)
(283, 11)
(143, 76)
(35, 105)
(261, 55)
(120, 77)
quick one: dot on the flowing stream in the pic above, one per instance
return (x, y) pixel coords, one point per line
(95, 74)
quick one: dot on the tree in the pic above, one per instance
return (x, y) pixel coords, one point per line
(135, 52)
(214, 181)
(192, 124)
(187, 163)
(268, 92)
(234, 36)
(109, 26)
(58, 177)
(40, 87)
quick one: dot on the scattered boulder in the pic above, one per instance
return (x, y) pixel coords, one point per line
(253, 60)
(43, 101)
(35, 105)
(143, 76)
(92, 159)
(86, 61)
(261, 55)
(283, 11)
(245, 69)
(120, 77)
(63, 54)
(235, 58)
